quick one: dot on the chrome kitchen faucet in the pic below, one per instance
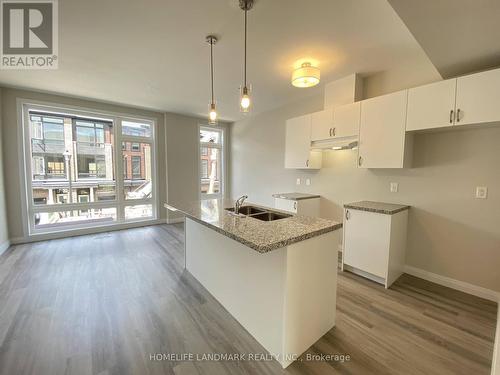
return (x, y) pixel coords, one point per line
(239, 203)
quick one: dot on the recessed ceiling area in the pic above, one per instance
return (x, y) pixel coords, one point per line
(153, 53)
(459, 36)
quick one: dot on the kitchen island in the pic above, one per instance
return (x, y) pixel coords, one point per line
(275, 273)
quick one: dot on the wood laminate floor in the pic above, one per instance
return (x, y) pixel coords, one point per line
(105, 304)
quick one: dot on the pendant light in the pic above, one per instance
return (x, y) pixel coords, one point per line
(245, 90)
(212, 109)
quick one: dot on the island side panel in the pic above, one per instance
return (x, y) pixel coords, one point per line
(311, 293)
(250, 285)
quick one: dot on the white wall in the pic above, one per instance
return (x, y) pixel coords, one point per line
(450, 233)
(182, 155)
(3, 213)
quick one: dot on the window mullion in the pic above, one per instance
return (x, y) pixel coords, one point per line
(71, 207)
(119, 171)
(136, 139)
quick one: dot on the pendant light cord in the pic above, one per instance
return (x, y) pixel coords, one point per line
(245, 69)
(212, 67)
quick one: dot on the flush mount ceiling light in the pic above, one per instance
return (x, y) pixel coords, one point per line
(245, 90)
(306, 76)
(212, 110)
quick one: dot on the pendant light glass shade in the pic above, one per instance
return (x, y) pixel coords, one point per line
(245, 99)
(212, 114)
(306, 76)
(212, 108)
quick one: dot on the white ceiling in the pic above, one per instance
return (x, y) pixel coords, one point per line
(459, 36)
(152, 53)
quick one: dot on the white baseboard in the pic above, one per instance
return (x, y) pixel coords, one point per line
(4, 246)
(462, 286)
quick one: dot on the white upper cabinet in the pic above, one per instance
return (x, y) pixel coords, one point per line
(322, 125)
(382, 122)
(478, 98)
(346, 120)
(382, 131)
(432, 106)
(298, 154)
(340, 122)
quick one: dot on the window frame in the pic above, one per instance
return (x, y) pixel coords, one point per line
(221, 146)
(30, 209)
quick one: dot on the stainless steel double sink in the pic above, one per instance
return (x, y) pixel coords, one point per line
(259, 213)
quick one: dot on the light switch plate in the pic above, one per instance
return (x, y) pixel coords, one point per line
(481, 192)
(394, 187)
(298, 181)
(308, 181)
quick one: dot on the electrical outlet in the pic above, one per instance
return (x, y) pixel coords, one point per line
(308, 181)
(298, 181)
(481, 192)
(394, 187)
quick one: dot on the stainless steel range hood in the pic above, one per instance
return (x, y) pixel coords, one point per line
(344, 143)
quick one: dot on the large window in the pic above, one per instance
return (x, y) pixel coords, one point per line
(75, 181)
(211, 162)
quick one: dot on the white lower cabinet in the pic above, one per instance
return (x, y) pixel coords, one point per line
(375, 244)
(305, 207)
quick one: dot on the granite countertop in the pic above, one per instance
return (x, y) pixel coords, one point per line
(262, 236)
(295, 196)
(377, 207)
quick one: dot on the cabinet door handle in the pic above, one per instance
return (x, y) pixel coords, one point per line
(330, 132)
(295, 205)
(333, 132)
(360, 161)
(307, 163)
(451, 116)
(347, 214)
(458, 115)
